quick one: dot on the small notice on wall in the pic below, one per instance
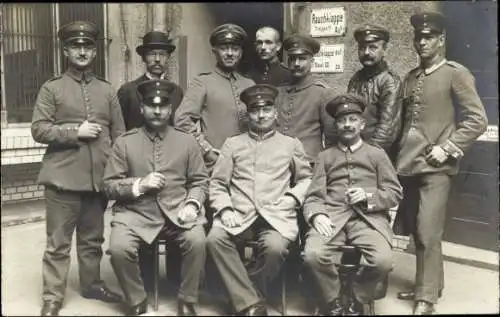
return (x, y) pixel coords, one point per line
(328, 22)
(330, 59)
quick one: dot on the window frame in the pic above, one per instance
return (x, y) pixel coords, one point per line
(54, 10)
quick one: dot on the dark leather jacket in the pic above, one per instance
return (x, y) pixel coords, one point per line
(381, 88)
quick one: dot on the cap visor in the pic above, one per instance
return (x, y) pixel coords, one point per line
(80, 39)
(299, 51)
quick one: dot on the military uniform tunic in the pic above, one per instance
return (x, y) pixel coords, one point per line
(302, 114)
(63, 103)
(72, 172)
(430, 119)
(275, 73)
(213, 101)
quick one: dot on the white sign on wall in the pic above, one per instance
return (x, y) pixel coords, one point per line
(330, 59)
(328, 22)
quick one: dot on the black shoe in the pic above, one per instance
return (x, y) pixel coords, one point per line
(185, 309)
(333, 308)
(254, 310)
(423, 308)
(102, 293)
(354, 309)
(410, 295)
(138, 309)
(50, 308)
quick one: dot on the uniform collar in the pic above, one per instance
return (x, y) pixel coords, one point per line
(370, 72)
(231, 75)
(77, 75)
(433, 68)
(303, 84)
(356, 146)
(151, 135)
(149, 76)
(274, 63)
(261, 136)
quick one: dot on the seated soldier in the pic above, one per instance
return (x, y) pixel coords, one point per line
(158, 178)
(257, 184)
(354, 185)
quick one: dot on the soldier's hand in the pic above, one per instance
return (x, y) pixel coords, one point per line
(230, 218)
(89, 130)
(355, 195)
(188, 213)
(153, 180)
(288, 201)
(323, 225)
(212, 156)
(436, 156)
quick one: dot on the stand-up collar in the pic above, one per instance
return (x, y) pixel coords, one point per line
(261, 136)
(227, 75)
(150, 76)
(152, 134)
(356, 146)
(303, 84)
(434, 67)
(78, 75)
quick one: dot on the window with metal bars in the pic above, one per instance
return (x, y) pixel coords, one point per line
(31, 53)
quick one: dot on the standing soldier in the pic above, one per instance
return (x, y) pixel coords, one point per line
(78, 116)
(155, 51)
(302, 102)
(212, 99)
(268, 69)
(379, 86)
(432, 143)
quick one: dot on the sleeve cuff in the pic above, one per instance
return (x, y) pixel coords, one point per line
(194, 201)
(370, 204)
(452, 149)
(204, 145)
(135, 188)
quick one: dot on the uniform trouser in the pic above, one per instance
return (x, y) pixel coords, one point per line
(424, 208)
(320, 256)
(270, 254)
(124, 246)
(65, 211)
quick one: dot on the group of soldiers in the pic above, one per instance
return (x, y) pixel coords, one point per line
(243, 157)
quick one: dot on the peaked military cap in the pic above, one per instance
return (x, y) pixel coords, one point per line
(79, 31)
(259, 95)
(228, 34)
(155, 91)
(371, 33)
(155, 40)
(428, 22)
(345, 103)
(300, 44)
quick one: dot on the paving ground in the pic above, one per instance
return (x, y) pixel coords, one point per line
(468, 290)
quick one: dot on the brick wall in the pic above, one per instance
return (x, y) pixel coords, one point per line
(19, 182)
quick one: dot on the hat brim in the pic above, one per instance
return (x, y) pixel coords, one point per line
(141, 49)
(299, 51)
(79, 39)
(428, 31)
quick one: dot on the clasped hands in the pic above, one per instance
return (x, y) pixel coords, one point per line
(156, 181)
(324, 225)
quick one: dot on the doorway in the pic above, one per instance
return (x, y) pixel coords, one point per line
(250, 16)
(473, 204)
